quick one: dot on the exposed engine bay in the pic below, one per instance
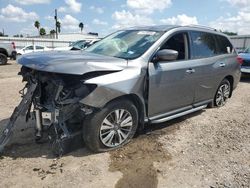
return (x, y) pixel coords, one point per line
(53, 101)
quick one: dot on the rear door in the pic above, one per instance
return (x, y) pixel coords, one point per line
(209, 63)
(171, 84)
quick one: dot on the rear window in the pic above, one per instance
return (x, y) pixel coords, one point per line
(224, 45)
(203, 45)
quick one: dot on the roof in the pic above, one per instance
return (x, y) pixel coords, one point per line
(169, 27)
(154, 27)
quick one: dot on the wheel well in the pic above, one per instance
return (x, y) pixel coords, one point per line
(231, 80)
(138, 104)
(3, 51)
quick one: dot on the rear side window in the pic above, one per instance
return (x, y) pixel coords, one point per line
(203, 45)
(39, 47)
(224, 45)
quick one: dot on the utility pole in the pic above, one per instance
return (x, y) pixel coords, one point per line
(56, 23)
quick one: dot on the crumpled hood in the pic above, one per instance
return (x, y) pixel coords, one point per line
(71, 62)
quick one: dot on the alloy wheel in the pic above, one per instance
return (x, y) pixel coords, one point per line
(222, 94)
(116, 127)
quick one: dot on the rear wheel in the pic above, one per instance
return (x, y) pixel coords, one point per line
(3, 59)
(112, 127)
(222, 93)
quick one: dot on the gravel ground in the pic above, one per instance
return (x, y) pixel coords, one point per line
(210, 148)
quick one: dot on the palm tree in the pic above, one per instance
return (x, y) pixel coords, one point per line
(58, 25)
(42, 31)
(52, 32)
(81, 26)
(37, 25)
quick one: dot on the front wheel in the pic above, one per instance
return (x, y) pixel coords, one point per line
(111, 127)
(3, 59)
(222, 93)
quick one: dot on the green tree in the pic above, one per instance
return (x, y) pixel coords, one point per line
(42, 31)
(37, 25)
(58, 25)
(81, 26)
(229, 33)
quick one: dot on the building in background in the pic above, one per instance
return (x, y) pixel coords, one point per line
(68, 36)
(240, 42)
(64, 39)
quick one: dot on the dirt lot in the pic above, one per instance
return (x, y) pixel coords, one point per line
(210, 148)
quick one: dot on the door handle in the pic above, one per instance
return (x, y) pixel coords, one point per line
(222, 64)
(190, 71)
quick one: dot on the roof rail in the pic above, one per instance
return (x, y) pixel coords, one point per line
(201, 26)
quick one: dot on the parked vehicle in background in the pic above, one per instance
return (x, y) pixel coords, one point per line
(78, 45)
(245, 58)
(133, 76)
(91, 43)
(32, 48)
(7, 50)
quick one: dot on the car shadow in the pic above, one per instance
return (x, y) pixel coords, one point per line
(245, 78)
(23, 145)
(8, 63)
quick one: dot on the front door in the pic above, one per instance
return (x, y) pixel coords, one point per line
(171, 84)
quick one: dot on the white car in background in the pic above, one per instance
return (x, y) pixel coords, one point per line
(32, 48)
(78, 45)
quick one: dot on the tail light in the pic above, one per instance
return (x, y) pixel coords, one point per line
(239, 60)
(13, 45)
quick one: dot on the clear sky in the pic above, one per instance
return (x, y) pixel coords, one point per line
(105, 16)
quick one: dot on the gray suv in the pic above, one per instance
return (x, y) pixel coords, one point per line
(132, 77)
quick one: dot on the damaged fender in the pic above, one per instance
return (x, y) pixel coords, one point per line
(130, 81)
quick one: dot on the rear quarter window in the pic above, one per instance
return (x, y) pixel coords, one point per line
(203, 45)
(224, 45)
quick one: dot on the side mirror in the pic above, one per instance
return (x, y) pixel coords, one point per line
(166, 55)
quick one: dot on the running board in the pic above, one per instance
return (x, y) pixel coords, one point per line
(178, 115)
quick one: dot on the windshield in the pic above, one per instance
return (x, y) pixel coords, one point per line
(128, 44)
(247, 50)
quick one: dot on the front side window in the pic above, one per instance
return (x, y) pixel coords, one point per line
(29, 48)
(177, 42)
(127, 44)
(203, 45)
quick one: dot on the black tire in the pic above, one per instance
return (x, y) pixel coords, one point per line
(223, 92)
(93, 123)
(14, 55)
(3, 59)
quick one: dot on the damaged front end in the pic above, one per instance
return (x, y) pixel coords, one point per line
(53, 100)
